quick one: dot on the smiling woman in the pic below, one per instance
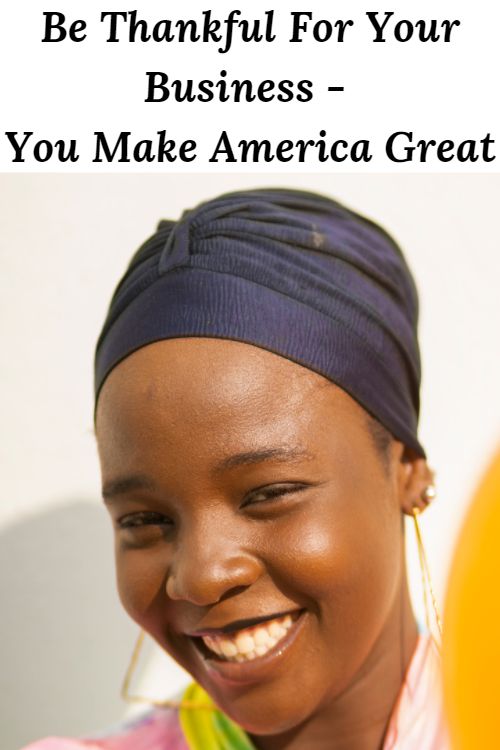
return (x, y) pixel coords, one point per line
(257, 398)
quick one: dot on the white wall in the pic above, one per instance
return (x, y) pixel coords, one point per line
(64, 241)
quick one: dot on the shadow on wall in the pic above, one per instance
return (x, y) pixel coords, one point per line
(65, 639)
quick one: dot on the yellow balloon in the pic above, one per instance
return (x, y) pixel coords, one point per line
(471, 641)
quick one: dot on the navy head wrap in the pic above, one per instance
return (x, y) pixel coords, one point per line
(292, 272)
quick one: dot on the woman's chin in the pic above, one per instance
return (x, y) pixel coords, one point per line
(266, 717)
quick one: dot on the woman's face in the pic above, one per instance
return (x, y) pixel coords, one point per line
(258, 530)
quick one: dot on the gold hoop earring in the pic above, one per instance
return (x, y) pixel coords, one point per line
(428, 589)
(130, 698)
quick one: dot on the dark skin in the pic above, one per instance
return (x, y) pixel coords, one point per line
(258, 489)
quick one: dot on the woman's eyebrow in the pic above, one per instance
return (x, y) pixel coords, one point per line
(285, 454)
(121, 485)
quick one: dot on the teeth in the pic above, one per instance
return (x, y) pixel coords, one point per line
(213, 644)
(250, 643)
(262, 638)
(275, 630)
(244, 643)
(228, 649)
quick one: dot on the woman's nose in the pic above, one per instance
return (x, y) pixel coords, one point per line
(205, 570)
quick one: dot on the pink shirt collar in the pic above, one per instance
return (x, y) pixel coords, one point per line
(417, 721)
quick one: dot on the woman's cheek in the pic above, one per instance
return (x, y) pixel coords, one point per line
(328, 558)
(302, 553)
(140, 576)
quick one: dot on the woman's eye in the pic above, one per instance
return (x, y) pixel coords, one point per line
(272, 492)
(143, 518)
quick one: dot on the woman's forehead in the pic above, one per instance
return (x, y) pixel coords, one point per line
(219, 370)
(225, 388)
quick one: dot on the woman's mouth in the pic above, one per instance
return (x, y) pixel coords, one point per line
(248, 652)
(251, 642)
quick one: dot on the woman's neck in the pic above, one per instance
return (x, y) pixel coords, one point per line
(358, 718)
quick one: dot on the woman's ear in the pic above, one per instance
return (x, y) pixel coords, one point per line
(413, 478)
